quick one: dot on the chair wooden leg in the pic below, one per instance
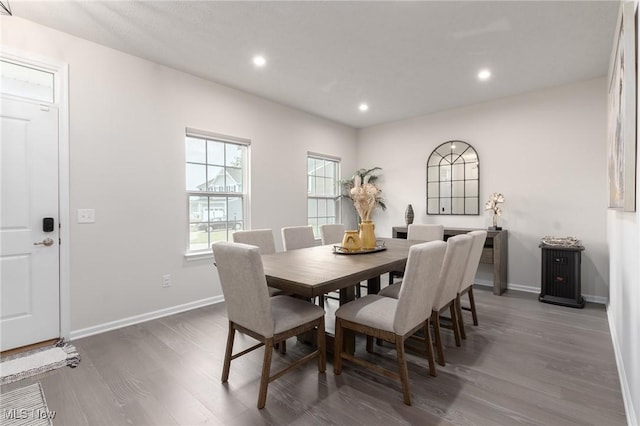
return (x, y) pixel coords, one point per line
(454, 322)
(266, 370)
(337, 348)
(358, 291)
(283, 347)
(435, 322)
(472, 302)
(460, 318)
(228, 352)
(370, 344)
(321, 301)
(404, 373)
(322, 347)
(429, 347)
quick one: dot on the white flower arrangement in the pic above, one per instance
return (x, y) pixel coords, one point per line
(493, 204)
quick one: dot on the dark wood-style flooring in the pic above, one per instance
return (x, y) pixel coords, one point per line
(526, 363)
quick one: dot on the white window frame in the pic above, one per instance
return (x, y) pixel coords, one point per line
(336, 198)
(244, 195)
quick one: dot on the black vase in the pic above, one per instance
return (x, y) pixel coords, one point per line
(408, 215)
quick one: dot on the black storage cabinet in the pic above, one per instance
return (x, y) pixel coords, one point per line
(561, 276)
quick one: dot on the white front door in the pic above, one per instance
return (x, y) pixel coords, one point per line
(30, 252)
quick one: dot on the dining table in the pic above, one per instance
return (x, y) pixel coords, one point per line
(315, 271)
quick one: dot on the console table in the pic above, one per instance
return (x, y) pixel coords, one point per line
(495, 252)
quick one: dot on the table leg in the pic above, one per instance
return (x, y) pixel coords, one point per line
(373, 285)
(349, 340)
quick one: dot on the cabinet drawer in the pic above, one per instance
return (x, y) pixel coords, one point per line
(487, 255)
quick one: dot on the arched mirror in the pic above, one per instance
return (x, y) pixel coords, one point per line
(453, 180)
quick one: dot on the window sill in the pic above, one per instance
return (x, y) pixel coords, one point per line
(202, 255)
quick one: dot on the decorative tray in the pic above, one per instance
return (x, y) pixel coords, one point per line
(560, 241)
(342, 250)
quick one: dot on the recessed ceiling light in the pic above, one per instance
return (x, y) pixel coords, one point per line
(363, 107)
(259, 61)
(484, 75)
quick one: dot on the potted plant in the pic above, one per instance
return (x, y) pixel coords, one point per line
(364, 176)
(366, 196)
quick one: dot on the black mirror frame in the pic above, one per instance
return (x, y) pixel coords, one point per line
(454, 156)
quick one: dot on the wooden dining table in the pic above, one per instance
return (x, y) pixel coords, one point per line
(315, 271)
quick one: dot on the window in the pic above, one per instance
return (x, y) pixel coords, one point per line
(26, 82)
(322, 190)
(216, 189)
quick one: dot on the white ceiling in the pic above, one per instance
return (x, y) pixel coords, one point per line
(404, 59)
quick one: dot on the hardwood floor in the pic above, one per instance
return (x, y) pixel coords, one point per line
(526, 363)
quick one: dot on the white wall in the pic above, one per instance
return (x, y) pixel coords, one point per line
(624, 302)
(623, 230)
(545, 151)
(127, 128)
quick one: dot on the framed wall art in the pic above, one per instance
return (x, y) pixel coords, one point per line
(622, 144)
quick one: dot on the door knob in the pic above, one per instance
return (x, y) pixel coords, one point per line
(46, 242)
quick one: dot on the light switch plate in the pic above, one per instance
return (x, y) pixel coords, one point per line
(86, 215)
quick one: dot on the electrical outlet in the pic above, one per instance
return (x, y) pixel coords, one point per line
(86, 215)
(166, 280)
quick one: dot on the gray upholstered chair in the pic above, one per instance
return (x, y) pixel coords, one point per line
(468, 279)
(422, 232)
(263, 239)
(332, 233)
(453, 267)
(425, 232)
(450, 279)
(297, 237)
(251, 311)
(394, 320)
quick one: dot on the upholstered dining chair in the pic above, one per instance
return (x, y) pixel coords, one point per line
(264, 240)
(269, 320)
(297, 237)
(453, 267)
(423, 232)
(450, 277)
(394, 320)
(468, 279)
(332, 233)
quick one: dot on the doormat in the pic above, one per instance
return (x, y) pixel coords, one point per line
(27, 364)
(25, 407)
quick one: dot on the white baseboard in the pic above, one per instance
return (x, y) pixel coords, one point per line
(622, 375)
(530, 289)
(596, 299)
(113, 325)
